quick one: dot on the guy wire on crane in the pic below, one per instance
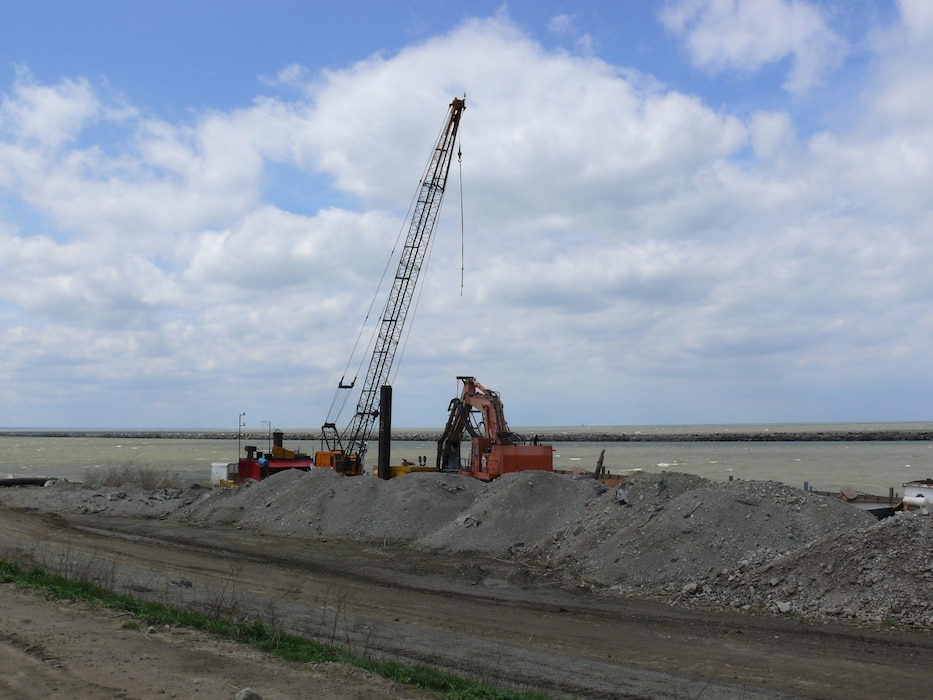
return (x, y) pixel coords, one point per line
(352, 442)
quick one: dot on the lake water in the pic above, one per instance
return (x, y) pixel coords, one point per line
(868, 466)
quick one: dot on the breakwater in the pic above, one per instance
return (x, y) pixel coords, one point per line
(751, 436)
(575, 435)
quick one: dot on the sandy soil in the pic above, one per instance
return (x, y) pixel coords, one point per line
(71, 650)
(503, 618)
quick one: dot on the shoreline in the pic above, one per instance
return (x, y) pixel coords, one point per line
(576, 435)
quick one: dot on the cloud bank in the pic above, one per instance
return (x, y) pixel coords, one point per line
(632, 253)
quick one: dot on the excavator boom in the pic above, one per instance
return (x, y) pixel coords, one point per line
(494, 449)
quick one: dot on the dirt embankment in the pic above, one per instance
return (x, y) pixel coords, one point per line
(674, 537)
(670, 586)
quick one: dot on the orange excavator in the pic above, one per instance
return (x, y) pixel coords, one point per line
(494, 449)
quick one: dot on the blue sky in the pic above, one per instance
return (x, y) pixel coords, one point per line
(685, 211)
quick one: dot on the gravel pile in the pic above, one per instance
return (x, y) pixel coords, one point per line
(671, 536)
(677, 528)
(515, 512)
(881, 574)
(123, 501)
(321, 503)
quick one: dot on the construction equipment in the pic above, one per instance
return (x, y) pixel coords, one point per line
(257, 465)
(345, 451)
(494, 449)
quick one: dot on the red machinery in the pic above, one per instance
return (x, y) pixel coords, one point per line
(495, 450)
(258, 465)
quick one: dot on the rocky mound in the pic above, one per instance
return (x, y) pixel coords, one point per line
(514, 512)
(673, 528)
(321, 503)
(124, 501)
(881, 574)
(683, 538)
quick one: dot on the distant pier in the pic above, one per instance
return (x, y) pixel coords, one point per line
(573, 435)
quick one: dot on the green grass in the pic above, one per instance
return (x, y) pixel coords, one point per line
(261, 635)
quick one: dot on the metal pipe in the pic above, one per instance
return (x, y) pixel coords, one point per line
(385, 431)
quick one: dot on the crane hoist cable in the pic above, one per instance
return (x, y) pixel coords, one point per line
(427, 260)
(341, 396)
(462, 236)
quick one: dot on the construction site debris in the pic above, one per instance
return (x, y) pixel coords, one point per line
(747, 545)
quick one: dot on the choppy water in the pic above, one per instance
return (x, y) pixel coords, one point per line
(869, 466)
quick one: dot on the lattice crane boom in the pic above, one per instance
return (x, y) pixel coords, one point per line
(394, 315)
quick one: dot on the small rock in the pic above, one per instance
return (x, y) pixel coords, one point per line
(467, 521)
(247, 694)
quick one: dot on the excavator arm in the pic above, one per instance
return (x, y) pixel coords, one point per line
(448, 445)
(494, 448)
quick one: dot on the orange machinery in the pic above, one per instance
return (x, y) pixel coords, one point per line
(495, 449)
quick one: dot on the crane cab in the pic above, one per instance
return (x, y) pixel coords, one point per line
(339, 461)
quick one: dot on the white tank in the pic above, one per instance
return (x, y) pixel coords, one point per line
(918, 494)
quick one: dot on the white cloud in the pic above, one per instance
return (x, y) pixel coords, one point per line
(47, 116)
(917, 17)
(561, 25)
(773, 136)
(294, 76)
(618, 234)
(159, 178)
(896, 97)
(565, 25)
(596, 133)
(885, 161)
(746, 35)
(269, 249)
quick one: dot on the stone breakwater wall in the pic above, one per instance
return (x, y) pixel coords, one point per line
(579, 435)
(758, 436)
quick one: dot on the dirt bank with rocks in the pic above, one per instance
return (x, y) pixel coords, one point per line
(683, 539)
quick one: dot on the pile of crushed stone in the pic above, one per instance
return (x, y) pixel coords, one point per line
(321, 503)
(881, 574)
(676, 527)
(672, 536)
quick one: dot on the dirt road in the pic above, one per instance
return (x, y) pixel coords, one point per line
(485, 618)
